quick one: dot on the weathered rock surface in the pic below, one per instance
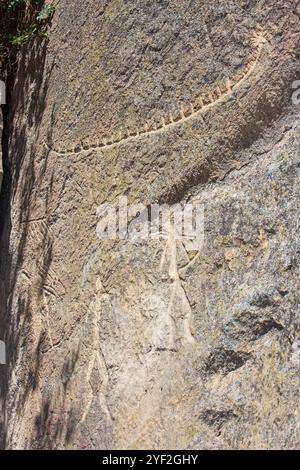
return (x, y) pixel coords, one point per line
(1, 132)
(121, 344)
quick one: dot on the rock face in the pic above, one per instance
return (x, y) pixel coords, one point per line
(1, 132)
(151, 342)
(2, 102)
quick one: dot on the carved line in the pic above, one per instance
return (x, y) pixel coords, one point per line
(45, 278)
(47, 319)
(201, 105)
(177, 289)
(97, 360)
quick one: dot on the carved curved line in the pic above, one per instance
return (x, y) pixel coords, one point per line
(258, 41)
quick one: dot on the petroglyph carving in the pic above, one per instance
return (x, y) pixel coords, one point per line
(176, 273)
(220, 94)
(39, 302)
(97, 361)
(45, 284)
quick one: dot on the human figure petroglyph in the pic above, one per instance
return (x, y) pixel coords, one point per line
(173, 242)
(96, 361)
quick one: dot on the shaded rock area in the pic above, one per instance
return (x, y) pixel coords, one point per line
(147, 343)
(1, 133)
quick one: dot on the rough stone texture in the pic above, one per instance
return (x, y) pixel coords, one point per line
(106, 347)
(1, 132)
(2, 103)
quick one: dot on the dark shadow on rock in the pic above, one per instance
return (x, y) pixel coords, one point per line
(223, 360)
(19, 180)
(216, 419)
